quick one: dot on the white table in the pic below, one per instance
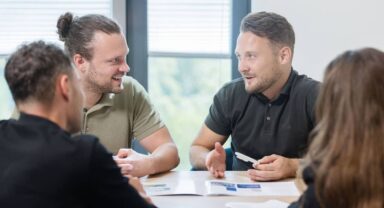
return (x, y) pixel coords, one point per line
(199, 177)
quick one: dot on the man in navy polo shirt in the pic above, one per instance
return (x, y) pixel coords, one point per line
(269, 112)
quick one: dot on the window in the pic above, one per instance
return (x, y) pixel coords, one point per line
(189, 59)
(26, 21)
(6, 104)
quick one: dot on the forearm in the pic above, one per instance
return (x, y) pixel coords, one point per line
(164, 158)
(197, 157)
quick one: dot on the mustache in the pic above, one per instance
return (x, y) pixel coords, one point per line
(247, 75)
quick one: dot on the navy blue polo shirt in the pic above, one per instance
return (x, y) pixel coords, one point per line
(259, 126)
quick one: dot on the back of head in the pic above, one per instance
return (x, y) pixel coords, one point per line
(78, 32)
(32, 70)
(269, 25)
(347, 150)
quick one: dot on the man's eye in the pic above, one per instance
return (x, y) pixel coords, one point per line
(115, 61)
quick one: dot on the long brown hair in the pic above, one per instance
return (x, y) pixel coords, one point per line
(347, 152)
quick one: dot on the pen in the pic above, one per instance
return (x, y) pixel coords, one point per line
(245, 158)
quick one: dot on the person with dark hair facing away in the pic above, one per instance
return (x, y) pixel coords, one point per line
(344, 166)
(268, 113)
(41, 165)
(117, 108)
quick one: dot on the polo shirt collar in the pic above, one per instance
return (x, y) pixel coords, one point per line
(287, 87)
(105, 101)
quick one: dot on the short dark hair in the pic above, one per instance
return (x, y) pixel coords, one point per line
(78, 32)
(269, 25)
(32, 70)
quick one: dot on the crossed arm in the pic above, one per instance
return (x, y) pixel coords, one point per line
(164, 155)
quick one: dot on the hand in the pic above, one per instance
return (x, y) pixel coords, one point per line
(273, 167)
(215, 161)
(135, 183)
(133, 163)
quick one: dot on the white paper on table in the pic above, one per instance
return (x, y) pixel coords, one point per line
(283, 188)
(181, 187)
(267, 204)
(222, 187)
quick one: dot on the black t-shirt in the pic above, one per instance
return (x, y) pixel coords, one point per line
(260, 127)
(43, 166)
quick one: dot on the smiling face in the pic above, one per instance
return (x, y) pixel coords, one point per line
(258, 63)
(105, 71)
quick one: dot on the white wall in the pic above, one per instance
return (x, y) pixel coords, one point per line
(325, 28)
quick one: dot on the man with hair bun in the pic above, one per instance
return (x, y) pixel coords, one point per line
(41, 164)
(117, 108)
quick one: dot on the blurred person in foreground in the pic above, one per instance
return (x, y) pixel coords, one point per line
(41, 165)
(345, 163)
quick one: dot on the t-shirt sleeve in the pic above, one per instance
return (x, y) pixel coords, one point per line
(109, 187)
(146, 119)
(218, 119)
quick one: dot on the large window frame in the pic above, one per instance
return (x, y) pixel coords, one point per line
(137, 39)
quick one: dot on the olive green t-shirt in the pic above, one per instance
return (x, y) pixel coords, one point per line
(119, 118)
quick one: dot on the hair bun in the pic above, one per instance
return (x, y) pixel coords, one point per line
(63, 25)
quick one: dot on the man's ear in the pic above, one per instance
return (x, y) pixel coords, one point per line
(62, 86)
(285, 55)
(80, 62)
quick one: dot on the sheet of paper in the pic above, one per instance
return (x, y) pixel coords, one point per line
(181, 187)
(221, 187)
(267, 204)
(283, 188)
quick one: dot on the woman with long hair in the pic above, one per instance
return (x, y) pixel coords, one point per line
(344, 166)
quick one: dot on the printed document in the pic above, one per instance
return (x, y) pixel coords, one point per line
(222, 187)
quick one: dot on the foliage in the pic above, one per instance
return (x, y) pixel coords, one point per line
(182, 90)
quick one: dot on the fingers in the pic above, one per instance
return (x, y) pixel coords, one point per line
(268, 159)
(219, 148)
(274, 167)
(126, 169)
(258, 175)
(217, 173)
(264, 167)
(124, 152)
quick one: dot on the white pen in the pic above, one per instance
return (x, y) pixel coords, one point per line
(245, 158)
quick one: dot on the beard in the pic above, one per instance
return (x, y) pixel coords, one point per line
(95, 83)
(260, 84)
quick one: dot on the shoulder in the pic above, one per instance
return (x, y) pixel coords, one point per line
(132, 85)
(84, 140)
(304, 85)
(232, 88)
(133, 92)
(89, 145)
